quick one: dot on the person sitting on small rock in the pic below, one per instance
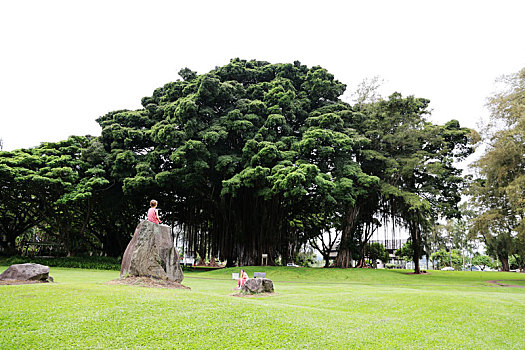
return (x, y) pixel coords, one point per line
(242, 279)
(153, 214)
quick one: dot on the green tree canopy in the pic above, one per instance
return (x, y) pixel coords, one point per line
(497, 195)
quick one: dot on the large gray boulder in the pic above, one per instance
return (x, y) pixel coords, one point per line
(27, 272)
(257, 285)
(151, 253)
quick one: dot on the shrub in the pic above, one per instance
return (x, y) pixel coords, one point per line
(81, 262)
(305, 259)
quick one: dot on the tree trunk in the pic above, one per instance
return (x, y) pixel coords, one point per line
(427, 257)
(326, 261)
(213, 263)
(343, 258)
(417, 270)
(415, 235)
(230, 262)
(344, 253)
(362, 261)
(504, 263)
(202, 255)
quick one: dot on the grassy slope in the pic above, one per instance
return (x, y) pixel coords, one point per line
(314, 308)
(366, 276)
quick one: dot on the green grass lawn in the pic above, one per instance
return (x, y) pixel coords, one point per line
(313, 309)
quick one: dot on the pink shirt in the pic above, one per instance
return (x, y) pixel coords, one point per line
(152, 216)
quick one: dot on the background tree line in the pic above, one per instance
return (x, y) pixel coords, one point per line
(498, 193)
(247, 159)
(494, 210)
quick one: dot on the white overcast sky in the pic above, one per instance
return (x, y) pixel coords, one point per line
(65, 63)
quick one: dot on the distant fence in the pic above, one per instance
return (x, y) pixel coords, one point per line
(391, 244)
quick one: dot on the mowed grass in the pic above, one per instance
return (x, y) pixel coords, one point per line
(312, 309)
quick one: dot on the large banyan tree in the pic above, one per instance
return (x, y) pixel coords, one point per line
(254, 158)
(242, 158)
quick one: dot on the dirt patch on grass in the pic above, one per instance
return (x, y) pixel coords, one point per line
(498, 282)
(258, 295)
(148, 282)
(421, 273)
(16, 282)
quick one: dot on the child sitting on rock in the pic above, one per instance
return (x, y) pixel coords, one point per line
(153, 214)
(242, 279)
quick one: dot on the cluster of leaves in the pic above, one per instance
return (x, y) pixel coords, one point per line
(65, 189)
(376, 251)
(483, 261)
(406, 252)
(451, 258)
(305, 259)
(251, 158)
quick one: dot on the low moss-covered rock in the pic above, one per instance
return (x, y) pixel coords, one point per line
(257, 286)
